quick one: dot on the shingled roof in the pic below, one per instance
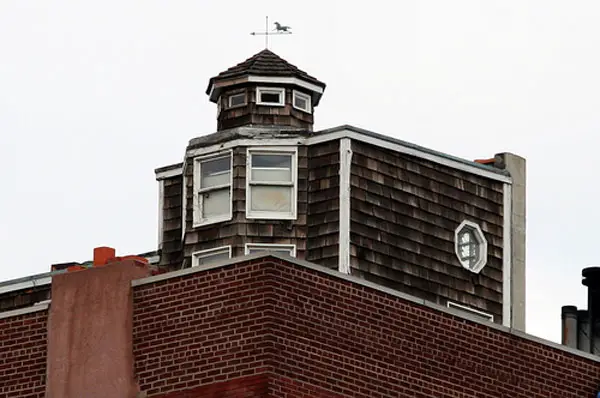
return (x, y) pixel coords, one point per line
(265, 63)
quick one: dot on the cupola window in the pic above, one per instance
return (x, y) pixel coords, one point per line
(236, 100)
(271, 183)
(301, 101)
(212, 186)
(289, 250)
(270, 96)
(470, 246)
(211, 255)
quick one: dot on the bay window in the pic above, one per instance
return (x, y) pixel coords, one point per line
(271, 183)
(212, 189)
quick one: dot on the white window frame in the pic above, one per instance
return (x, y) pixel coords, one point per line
(271, 215)
(290, 246)
(197, 202)
(473, 311)
(305, 97)
(229, 106)
(482, 246)
(272, 90)
(207, 253)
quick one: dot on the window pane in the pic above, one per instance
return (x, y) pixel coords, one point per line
(300, 102)
(283, 250)
(268, 160)
(216, 256)
(270, 198)
(278, 175)
(270, 97)
(272, 168)
(215, 203)
(215, 172)
(237, 99)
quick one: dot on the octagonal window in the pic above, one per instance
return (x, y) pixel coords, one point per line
(470, 246)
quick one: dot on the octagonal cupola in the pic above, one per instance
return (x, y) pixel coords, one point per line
(265, 90)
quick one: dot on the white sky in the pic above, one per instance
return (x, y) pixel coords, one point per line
(95, 95)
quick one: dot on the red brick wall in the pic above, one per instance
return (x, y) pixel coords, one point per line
(23, 355)
(317, 335)
(202, 329)
(246, 387)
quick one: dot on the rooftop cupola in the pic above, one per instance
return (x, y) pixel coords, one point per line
(265, 90)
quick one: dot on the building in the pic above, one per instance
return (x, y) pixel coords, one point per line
(345, 198)
(299, 263)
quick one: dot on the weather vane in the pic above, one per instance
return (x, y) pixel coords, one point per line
(279, 30)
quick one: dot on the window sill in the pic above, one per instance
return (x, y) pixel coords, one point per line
(210, 221)
(236, 106)
(270, 104)
(270, 216)
(302, 110)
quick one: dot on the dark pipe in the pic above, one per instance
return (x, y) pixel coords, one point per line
(583, 341)
(569, 326)
(591, 279)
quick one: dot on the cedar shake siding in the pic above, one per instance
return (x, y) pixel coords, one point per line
(171, 212)
(324, 203)
(253, 114)
(240, 230)
(404, 212)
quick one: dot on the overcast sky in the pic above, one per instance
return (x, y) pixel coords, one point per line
(95, 95)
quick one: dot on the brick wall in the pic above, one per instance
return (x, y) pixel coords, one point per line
(317, 335)
(23, 355)
(246, 387)
(202, 329)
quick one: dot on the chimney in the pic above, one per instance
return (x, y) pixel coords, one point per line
(591, 279)
(569, 326)
(90, 328)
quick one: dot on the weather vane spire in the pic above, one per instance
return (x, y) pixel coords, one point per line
(279, 30)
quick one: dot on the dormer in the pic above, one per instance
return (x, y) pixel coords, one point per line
(265, 90)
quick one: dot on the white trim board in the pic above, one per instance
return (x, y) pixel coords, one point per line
(161, 175)
(361, 137)
(215, 89)
(184, 204)
(344, 238)
(285, 80)
(161, 204)
(506, 257)
(476, 312)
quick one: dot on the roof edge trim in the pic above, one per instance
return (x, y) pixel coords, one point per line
(173, 170)
(26, 310)
(368, 137)
(214, 89)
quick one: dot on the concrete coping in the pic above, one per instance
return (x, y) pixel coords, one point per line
(27, 310)
(371, 285)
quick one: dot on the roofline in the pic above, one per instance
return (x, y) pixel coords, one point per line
(214, 89)
(31, 281)
(28, 282)
(169, 171)
(362, 282)
(417, 148)
(369, 137)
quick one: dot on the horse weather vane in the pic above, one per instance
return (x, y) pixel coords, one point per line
(279, 30)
